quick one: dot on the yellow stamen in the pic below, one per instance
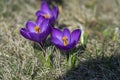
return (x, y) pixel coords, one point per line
(36, 28)
(65, 41)
(46, 16)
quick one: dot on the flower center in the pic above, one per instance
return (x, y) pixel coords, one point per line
(65, 41)
(46, 16)
(36, 28)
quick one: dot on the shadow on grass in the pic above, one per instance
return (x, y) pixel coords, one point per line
(62, 26)
(107, 68)
(59, 2)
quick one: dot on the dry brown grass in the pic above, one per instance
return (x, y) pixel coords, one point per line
(20, 59)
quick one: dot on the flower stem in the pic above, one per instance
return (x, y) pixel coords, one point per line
(68, 55)
(44, 51)
(68, 60)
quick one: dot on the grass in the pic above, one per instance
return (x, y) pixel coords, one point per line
(97, 57)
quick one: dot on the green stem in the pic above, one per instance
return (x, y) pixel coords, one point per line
(44, 51)
(68, 56)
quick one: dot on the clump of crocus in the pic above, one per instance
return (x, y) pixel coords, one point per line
(36, 31)
(65, 40)
(48, 13)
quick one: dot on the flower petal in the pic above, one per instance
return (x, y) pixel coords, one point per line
(66, 33)
(46, 31)
(68, 47)
(36, 37)
(56, 33)
(30, 26)
(45, 8)
(71, 45)
(39, 20)
(56, 41)
(75, 35)
(40, 13)
(55, 12)
(24, 32)
(44, 26)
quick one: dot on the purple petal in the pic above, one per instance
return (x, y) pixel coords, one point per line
(36, 37)
(45, 8)
(56, 41)
(46, 31)
(44, 26)
(30, 26)
(33, 36)
(56, 33)
(71, 45)
(66, 33)
(39, 20)
(24, 32)
(68, 47)
(55, 12)
(75, 35)
(40, 13)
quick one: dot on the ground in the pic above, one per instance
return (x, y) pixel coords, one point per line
(97, 54)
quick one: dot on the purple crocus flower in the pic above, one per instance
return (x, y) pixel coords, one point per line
(36, 31)
(47, 12)
(65, 40)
